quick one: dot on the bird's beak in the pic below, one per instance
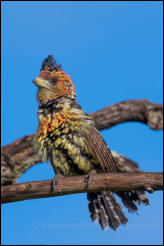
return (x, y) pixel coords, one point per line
(42, 83)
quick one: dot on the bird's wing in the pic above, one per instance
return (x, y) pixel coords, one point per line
(99, 149)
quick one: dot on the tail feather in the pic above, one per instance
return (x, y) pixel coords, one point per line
(112, 205)
(106, 210)
(93, 207)
(103, 217)
(130, 199)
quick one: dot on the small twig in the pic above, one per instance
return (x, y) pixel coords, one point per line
(77, 184)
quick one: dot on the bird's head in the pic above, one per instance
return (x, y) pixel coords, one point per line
(53, 82)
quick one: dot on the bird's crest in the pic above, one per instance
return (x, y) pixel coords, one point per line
(50, 63)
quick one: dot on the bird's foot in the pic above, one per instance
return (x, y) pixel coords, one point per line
(88, 176)
(55, 181)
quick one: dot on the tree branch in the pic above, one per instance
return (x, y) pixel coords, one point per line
(140, 110)
(16, 158)
(19, 156)
(77, 184)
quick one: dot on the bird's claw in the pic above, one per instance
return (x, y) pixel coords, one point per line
(88, 176)
(55, 181)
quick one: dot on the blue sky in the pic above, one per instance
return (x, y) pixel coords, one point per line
(113, 52)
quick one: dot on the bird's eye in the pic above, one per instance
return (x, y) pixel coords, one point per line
(53, 81)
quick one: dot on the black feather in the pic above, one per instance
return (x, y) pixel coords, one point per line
(106, 210)
(51, 63)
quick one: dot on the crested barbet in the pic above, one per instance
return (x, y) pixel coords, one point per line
(69, 139)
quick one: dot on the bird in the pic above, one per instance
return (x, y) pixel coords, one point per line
(67, 137)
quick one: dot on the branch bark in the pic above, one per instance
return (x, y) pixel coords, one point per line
(77, 184)
(140, 110)
(19, 156)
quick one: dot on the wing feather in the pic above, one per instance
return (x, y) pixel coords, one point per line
(99, 149)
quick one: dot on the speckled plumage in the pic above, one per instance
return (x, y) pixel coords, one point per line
(68, 138)
(59, 137)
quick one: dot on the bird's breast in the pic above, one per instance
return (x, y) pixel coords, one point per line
(59, 136)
